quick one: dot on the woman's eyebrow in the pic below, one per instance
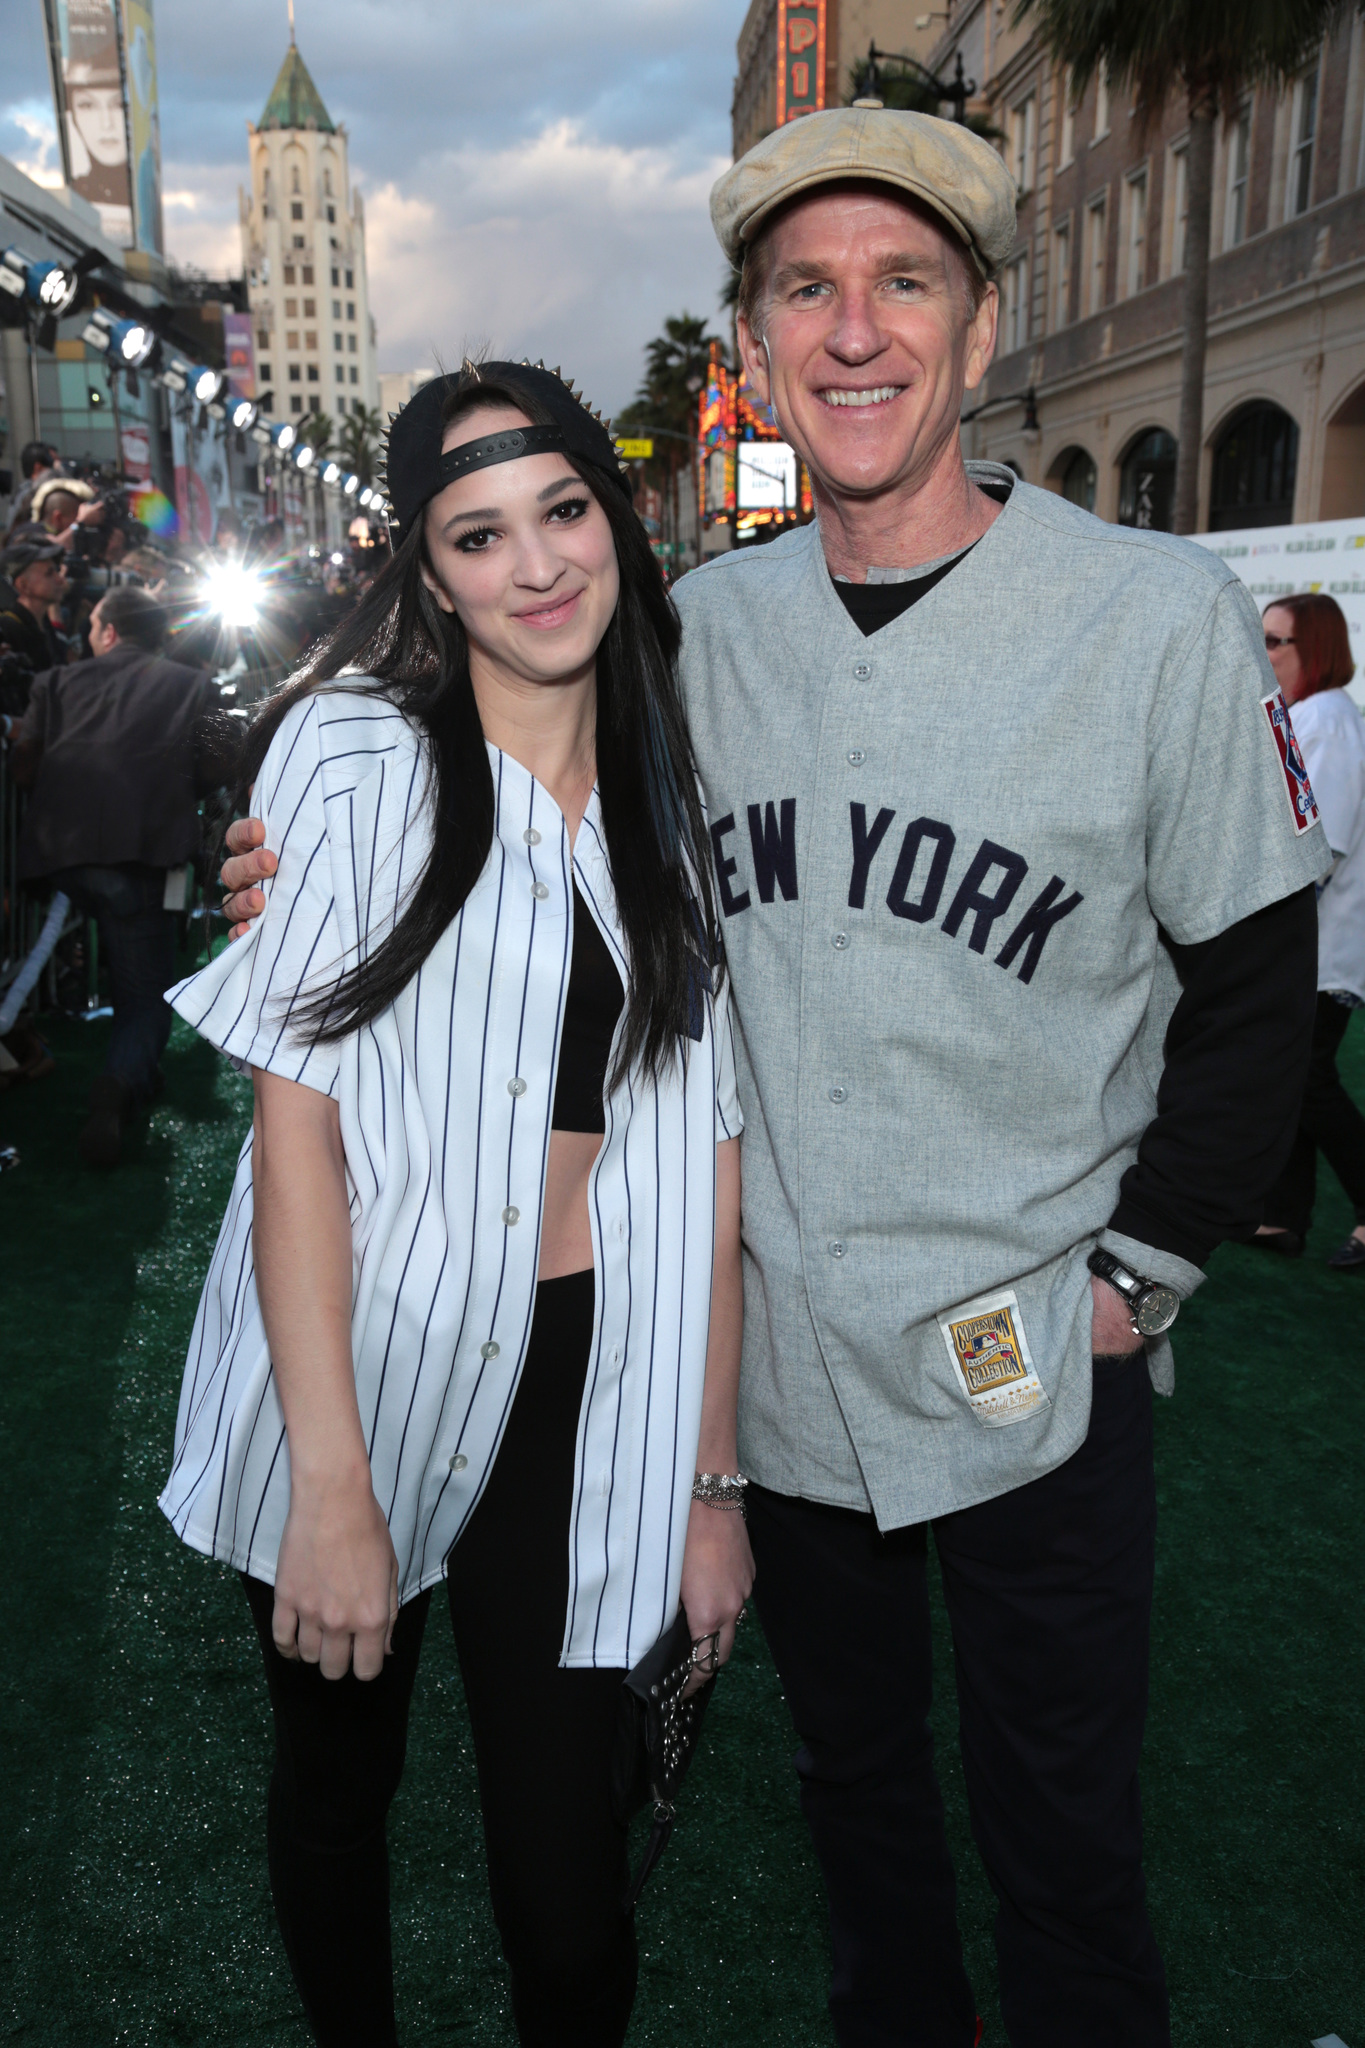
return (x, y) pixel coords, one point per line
(487, 512)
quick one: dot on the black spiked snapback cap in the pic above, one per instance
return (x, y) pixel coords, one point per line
(416, 469)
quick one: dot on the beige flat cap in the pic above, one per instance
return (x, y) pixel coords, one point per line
(938, 162)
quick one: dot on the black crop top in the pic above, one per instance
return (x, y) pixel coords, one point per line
(594, 1005)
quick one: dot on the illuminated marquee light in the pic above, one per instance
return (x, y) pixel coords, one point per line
(800, 58)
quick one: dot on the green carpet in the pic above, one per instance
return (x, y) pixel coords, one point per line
(133, 1897)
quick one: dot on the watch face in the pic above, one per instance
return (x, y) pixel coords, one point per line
(1156, 1310)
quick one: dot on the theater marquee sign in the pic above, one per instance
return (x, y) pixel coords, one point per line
(800, 58)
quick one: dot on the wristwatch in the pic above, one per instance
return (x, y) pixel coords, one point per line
(1153, 1307)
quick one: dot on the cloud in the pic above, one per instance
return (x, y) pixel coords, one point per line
(568, 247)
(32, 143)
(532, 175)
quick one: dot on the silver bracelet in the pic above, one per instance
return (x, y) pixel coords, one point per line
(720, 1490)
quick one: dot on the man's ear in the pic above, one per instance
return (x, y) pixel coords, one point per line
(754, 357)
(981, 336)
(438, 590)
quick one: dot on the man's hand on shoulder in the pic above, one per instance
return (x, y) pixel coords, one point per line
(250, 861)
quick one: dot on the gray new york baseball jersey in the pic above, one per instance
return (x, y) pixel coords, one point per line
(945, 853)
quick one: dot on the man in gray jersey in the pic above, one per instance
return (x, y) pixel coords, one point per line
(1016, 856)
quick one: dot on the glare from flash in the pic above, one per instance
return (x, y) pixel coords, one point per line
(234, 593)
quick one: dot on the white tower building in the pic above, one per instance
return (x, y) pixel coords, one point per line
(303, 250)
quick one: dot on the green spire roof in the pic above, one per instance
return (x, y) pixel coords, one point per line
(295, 101)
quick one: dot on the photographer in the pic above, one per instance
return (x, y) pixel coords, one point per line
(35, 582)
(116, 751)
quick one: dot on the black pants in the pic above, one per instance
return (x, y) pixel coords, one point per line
(1048, 1590)
(1330, 1123)
(137, 939)
(557, 1862)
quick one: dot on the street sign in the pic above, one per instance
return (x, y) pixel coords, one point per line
(636, 451)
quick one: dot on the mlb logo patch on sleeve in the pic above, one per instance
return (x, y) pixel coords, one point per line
(986, 1343)
(1302, 802)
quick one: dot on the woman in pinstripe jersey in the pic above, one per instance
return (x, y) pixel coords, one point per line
(475, 1307)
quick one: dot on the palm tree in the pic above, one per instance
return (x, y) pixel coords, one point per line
(358, 442)
(316, 430)
(665, 406)
(1210, 52)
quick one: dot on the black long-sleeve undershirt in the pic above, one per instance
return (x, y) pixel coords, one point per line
(1236, 1049)
(1228, 1102)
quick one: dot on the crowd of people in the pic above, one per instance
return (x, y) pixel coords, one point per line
(1021, 958)
(126, 661)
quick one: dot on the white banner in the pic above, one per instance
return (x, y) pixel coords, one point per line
(1281, 561)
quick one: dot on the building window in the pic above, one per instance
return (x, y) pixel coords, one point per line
(350, 280)
(296, 403)
(289, 273)
(1023, 130)
(1096, 230)
(336, 309)
(331, 213)
(310, 337)
(350, 309)
(1079, 477)
(308, 273)
(1101, 104)
(291, 309)
(1067, 150)
(262, 339)
(1061, 275)
(355, 379)
(291, 339)
(296, 209)
(265, 373)
(1147, 482)
(1255, 463)
(295, 374)
(327, 182)
(1180, 206)
(341, 373)
(1303, 127)
(1016, 304)
(336, 276)
(350, 343)
(1239, 163)
(294, 184)
(1137, 234)
(310, 309)
(298, 242)
(312, 373)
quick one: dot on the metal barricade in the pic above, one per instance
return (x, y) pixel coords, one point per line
(21, 914)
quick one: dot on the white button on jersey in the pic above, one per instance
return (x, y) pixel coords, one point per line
(437, 1147)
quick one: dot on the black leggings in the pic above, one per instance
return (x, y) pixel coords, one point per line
(557, 1862)
(1330, 1123)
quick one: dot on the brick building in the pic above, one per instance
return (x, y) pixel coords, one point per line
(1083, 396)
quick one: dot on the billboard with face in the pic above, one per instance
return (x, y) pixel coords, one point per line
(103, 57)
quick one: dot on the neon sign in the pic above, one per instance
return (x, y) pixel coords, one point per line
(800, 58)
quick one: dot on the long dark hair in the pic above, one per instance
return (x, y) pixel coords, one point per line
(417, 657)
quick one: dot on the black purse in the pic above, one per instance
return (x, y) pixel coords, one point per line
(656, 1734)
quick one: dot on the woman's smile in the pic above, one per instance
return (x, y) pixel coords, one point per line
(544, 618)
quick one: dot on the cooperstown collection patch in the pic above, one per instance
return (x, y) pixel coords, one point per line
(986, 1343)
(1302, 802)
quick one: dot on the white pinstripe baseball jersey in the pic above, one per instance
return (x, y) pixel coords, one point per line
(445, 1104)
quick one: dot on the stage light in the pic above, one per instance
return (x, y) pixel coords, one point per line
(207, 385)
(233, 592)
(284, 436)
(14, 269)
(175, 373)
(332, 473)
(351, 485)
(367, 496)
(242, 414)
(54, 287)
(304, 455)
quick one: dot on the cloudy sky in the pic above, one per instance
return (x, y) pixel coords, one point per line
(534, 175)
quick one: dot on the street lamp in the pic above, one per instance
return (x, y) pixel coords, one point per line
(955, 91)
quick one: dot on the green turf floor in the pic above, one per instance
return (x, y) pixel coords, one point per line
(133, 1904)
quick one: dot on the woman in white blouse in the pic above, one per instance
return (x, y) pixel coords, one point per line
(1310, 652)
(475, 1308)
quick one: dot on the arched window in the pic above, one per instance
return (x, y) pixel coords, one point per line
(1075, 472)
(1255, 460)
(1147, 482)
(296, 186)
(1343, 460)
(327, 183)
